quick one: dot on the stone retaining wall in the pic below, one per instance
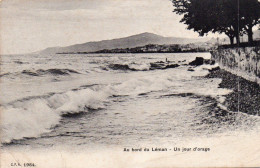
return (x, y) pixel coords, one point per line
(244, 62)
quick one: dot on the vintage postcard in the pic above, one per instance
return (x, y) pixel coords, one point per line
(129, 83)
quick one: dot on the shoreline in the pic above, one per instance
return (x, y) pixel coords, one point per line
(245, 97)
(134, 52)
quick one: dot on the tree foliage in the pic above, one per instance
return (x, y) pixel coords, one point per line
(232, 17)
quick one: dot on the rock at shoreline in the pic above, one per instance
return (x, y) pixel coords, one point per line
(198, 61)
(162, 65)
(171, 66)
(245, 94)
(214, 69)
(209, 61)
(190, 69)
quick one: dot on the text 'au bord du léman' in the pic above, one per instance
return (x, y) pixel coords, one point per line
(174, 149)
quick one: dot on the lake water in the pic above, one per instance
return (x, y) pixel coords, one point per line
(94, 100)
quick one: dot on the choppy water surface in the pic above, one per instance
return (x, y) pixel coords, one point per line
(112, 100)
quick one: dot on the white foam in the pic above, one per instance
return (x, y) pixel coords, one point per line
(140, 66)
(79, 100)
(32, 117)
(29, 120)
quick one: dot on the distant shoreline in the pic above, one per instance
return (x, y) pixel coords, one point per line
(133, 52)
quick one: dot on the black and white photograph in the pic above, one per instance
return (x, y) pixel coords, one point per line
(129, 83)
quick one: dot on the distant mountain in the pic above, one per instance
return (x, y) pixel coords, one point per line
(127, 42)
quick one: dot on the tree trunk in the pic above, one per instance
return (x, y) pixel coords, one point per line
(238, 39)
(231, 40)
(250, 34)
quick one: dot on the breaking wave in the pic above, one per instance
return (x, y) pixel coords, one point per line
(34, 116)
(30, 117)
(130, 67)
(142, 66)
(41, 72)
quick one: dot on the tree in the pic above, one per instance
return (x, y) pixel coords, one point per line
(232, 17)
(249, 11)
(229, 19)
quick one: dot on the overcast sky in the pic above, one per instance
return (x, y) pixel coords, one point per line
(32, 25)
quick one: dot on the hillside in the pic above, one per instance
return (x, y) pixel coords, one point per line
(135, 41)
(127, 42)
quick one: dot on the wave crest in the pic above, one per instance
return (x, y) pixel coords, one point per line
(50, 71)
(40, 72)
(30, 117)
